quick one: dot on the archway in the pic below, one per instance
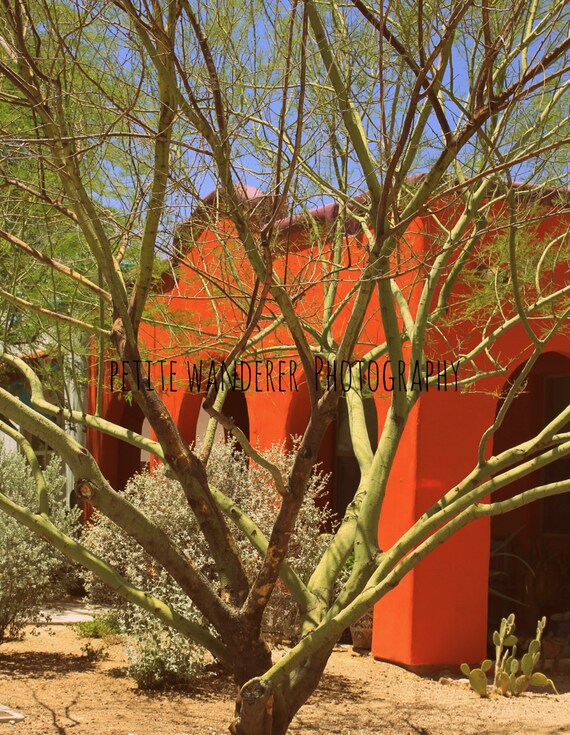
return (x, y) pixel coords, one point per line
(346, 469)
(530, 547)
(188, 416)
(336, 455)
(235, 406)
(119, 461)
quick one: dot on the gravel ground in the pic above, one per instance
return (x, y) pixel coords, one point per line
(48, 678)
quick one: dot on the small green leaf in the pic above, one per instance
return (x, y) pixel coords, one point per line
(486, 665)
(510, 640)
(465, 669)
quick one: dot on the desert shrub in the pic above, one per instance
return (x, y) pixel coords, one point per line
(157, 657)
(253, 491)
(101, 626)
(32, 573)
(161, 657)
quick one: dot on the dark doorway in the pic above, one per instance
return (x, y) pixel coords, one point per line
(235, 406)
(119, 460)
(346, 469)
(556, 510)
(530, 547)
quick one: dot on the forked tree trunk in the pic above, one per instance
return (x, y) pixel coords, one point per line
(264, 709)
(255, 712)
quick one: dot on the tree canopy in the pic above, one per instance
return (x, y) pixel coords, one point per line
(358, 123)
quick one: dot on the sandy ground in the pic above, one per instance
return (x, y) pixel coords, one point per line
(47, 678)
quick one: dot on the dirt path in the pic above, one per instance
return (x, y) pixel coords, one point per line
(49, 679)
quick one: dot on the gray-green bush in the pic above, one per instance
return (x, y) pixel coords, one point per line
(160, 657)
(32, 573)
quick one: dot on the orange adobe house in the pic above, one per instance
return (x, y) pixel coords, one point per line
(440, 613)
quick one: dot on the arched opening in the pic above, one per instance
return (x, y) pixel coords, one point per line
(530, 547)
(235, 406)
(346, 474)
(298, 416)
(189, 416)
(202, 427)
(119, 460)
(336, 455)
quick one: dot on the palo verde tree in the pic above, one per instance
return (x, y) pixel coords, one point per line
(447, 118)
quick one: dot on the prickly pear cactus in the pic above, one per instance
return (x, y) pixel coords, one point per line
(478, 677)
(511, 675)
(503, 639)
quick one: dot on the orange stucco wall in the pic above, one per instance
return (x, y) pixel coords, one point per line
(438, 613)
